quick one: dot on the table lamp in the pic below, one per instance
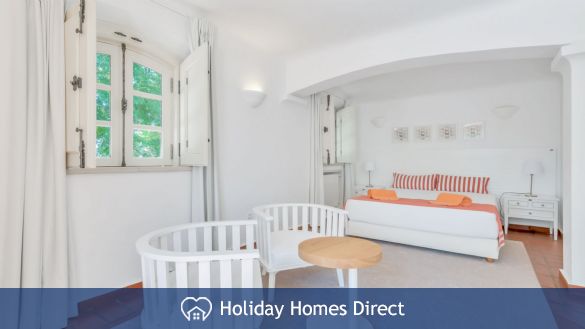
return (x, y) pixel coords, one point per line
(369, 166)
(532, 167)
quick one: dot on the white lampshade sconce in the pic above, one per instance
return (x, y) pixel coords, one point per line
(378, 122)
(254, 97)
(505, 111)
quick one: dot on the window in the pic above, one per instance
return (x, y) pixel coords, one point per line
(142, 134)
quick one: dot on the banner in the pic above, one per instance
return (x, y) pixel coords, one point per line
(298, 308)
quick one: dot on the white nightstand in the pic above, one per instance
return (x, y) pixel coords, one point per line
(363, 189)
(542, 211)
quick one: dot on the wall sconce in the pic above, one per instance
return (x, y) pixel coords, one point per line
(254, 97)
(505, 112)
(378, 122)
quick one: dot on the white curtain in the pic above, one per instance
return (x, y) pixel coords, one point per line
(205, 196)
(348, 182)
(316, 189)
(33, 223)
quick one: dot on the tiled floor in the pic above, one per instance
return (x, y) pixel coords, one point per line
(545, 253)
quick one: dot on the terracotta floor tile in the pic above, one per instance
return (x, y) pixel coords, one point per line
(545, 253)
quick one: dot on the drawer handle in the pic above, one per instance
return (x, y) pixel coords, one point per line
(530, 213)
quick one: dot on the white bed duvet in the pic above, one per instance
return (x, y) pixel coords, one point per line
(438, 228)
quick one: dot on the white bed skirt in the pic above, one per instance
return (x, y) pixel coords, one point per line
(481, 247)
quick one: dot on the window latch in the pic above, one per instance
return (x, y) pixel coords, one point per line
(76, 82)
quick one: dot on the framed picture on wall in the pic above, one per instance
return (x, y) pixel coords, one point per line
(422, 133)
(447, 132)
(474, 131)
(400, 135)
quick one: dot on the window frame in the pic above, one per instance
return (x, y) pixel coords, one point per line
(167, 71)
(115, 89)
(166, 109)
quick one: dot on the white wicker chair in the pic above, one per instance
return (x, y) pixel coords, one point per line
(282, 227)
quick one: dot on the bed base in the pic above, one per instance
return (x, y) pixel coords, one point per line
(480, 247)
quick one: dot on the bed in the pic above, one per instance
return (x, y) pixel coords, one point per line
(456, 230)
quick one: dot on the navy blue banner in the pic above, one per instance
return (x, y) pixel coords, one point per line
(292, 308)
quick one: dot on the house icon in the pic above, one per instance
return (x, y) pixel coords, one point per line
(196, 309)
(197, 314)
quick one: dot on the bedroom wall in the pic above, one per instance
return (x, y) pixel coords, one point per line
(263, 155)
(262, 159)
(460, 94)
(109, 212)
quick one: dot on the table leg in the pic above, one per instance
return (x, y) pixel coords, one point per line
(340, 278)
(352, 278)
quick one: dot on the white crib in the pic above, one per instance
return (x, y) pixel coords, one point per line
(281, 227)
(219, 254)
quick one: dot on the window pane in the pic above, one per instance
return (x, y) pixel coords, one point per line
(146, 143)
(103, 68)
(147, 80)
(102, 105)
(102, 142)
(147, 111)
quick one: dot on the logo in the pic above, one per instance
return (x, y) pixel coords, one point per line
(196, 309)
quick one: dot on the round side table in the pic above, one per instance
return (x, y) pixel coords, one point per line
(341, 253)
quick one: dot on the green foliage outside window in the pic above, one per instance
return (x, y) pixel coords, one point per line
(147, 111)
(147, 80)
(102, 142)
(103, 69)
(146, 143)
(103, 105)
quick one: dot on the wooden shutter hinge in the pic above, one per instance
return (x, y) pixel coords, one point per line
(81, 17)
(77, 82)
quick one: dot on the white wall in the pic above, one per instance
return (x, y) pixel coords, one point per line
(263, 152)
(109, 212)
(505, 25)
(263, 158)
(462, 94)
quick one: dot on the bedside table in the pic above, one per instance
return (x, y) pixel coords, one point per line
(542, 211)
(363, 189)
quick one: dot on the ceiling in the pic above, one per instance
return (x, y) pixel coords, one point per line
(290, 26)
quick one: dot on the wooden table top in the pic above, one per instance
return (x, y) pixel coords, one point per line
(340, 252)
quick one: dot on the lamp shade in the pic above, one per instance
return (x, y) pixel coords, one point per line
(532, 167)
(253, 97)
(369, 166)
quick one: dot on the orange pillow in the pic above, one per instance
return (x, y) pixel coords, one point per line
(449, 199)
(385, 195)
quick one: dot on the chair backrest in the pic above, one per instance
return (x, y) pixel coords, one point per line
(320, 219)
(189, 256)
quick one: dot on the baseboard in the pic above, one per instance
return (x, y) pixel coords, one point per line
(565, 282)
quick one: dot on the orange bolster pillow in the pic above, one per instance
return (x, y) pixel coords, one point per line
(382, 194)
(449, 199)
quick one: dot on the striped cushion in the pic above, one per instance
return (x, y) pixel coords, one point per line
(420, 182)
(463, 184)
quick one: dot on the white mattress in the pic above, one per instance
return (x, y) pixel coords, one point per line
(468, 223)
